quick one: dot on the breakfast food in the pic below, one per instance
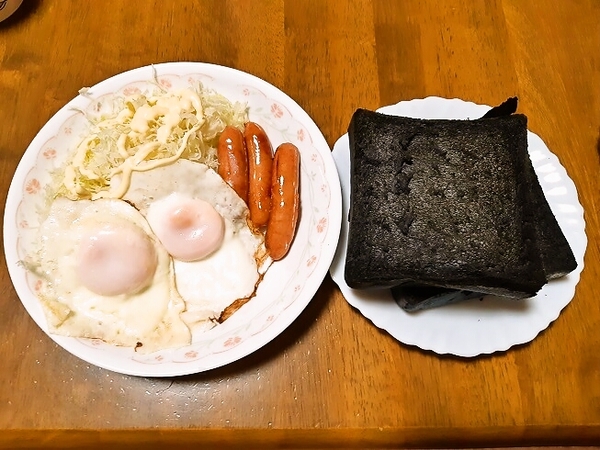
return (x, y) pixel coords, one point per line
(422, 209)
(452, 204)
(149, 235)
(260, 167)
(88, 254)
(212, 280)
(144, 131)
(233, 160)
(557, 257)
(285, 207)
(415, 297)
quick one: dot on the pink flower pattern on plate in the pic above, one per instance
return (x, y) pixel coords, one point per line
(191, 354)
(232, 341)
(132, 90)
(23, 224)
(276, 110)
(322, 225)
(301, 135)
(38, 285)
(49, 153)
(33, 186)
(165, 83)
(311, 261)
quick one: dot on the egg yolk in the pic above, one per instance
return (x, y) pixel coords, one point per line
(116, 259)
(190, 229)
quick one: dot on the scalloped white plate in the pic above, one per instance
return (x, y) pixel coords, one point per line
(289, 284)
(472, 327)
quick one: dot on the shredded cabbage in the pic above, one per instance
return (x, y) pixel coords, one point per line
(144, 131)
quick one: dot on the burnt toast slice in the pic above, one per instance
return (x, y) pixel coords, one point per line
(416, 297)
(441, 203)
(556, 254)
(557, 257)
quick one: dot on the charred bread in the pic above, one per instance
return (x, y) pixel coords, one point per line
(442, 203)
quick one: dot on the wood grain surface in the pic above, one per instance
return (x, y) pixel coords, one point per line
(331, 379)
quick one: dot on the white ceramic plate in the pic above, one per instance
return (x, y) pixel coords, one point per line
(289, 284)
(472, 327)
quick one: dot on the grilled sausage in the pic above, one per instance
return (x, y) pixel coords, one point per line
(285, 197)
(233, 160)
(260, 163)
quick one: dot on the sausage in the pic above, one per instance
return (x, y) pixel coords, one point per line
(285, 196)
(260, 164)
(233, 160)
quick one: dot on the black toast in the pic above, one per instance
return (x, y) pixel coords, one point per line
(442, 203)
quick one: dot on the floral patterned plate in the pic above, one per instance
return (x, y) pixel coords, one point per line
(289, 284)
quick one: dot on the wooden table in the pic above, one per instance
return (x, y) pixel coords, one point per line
(332, 379)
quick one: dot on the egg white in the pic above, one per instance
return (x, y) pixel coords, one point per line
(149, 319)
(231, 272)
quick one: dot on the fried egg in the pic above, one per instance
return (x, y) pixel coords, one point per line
(203, 224)
(106, 276)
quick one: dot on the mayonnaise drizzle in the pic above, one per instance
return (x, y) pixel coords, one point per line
(143, 134)
(137, 163)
